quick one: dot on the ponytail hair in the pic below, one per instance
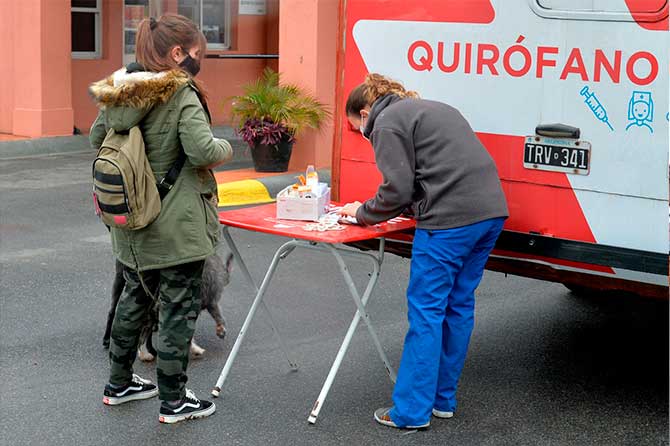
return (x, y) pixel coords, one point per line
(156, 38)
(374, 87)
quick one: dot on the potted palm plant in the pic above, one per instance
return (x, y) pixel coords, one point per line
(270, 114)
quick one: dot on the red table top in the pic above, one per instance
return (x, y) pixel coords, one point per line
(263, 219)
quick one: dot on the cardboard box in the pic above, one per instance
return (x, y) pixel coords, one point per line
(309, 208)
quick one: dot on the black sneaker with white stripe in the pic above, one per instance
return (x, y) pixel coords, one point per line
(188, 408)
(138, 389)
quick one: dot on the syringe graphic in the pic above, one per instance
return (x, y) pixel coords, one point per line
(594, 104)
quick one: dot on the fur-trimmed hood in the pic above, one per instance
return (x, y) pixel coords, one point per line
(126, 97)
(139, 89)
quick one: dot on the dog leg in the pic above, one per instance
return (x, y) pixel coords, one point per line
(117, 288)
(108, 329)
(196, 350)
(215, 311)
(146, 351)
(149, 344)
(144, 354)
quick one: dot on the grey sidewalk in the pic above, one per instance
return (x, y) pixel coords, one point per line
(241, 159)
(44, 146)
(79, 143)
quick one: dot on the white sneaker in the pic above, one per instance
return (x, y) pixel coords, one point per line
(442, 414)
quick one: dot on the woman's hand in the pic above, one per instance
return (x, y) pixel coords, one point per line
(350, 209)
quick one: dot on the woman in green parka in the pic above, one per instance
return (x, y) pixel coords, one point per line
(159, 94)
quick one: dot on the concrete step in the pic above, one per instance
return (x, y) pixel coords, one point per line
(241, 151)
(13, 147)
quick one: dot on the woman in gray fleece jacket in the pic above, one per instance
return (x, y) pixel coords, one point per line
(431, 161)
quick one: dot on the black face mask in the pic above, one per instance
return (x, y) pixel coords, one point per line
(190, 64)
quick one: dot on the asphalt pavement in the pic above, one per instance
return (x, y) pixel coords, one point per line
(545, 367)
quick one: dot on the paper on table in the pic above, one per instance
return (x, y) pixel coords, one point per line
(344, 219)
(347, 220)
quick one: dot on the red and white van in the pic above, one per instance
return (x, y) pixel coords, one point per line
(570, 97)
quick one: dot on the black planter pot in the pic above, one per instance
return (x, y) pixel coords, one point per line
(272, 158)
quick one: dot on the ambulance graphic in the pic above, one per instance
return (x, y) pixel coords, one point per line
(564, 96)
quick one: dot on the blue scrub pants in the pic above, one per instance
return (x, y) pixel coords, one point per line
(447, 266)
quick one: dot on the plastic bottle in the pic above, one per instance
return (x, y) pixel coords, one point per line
(312, 177)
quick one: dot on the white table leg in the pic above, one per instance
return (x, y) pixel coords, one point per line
(361, 312)
(286, 247)
(245, 271)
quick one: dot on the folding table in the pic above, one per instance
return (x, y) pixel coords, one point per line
(263, 219)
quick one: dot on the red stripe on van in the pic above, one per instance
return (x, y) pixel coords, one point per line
(538, 201)
(454, 11)
(650, 14)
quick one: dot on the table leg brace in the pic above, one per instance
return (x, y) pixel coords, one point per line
(258, 300)
(292, 364)
(361, 312)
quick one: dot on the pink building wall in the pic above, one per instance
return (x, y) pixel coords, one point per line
(44, 92)
(222, 78)
(7, 71)
(308, 57)
(87, 71)
(37, 97)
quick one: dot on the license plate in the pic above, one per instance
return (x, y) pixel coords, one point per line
(557, 155)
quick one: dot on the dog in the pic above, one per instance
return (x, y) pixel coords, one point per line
(215, 277)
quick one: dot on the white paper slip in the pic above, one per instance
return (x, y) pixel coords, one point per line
(347, 220)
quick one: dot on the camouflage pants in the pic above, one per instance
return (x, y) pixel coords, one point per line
(179, 306)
